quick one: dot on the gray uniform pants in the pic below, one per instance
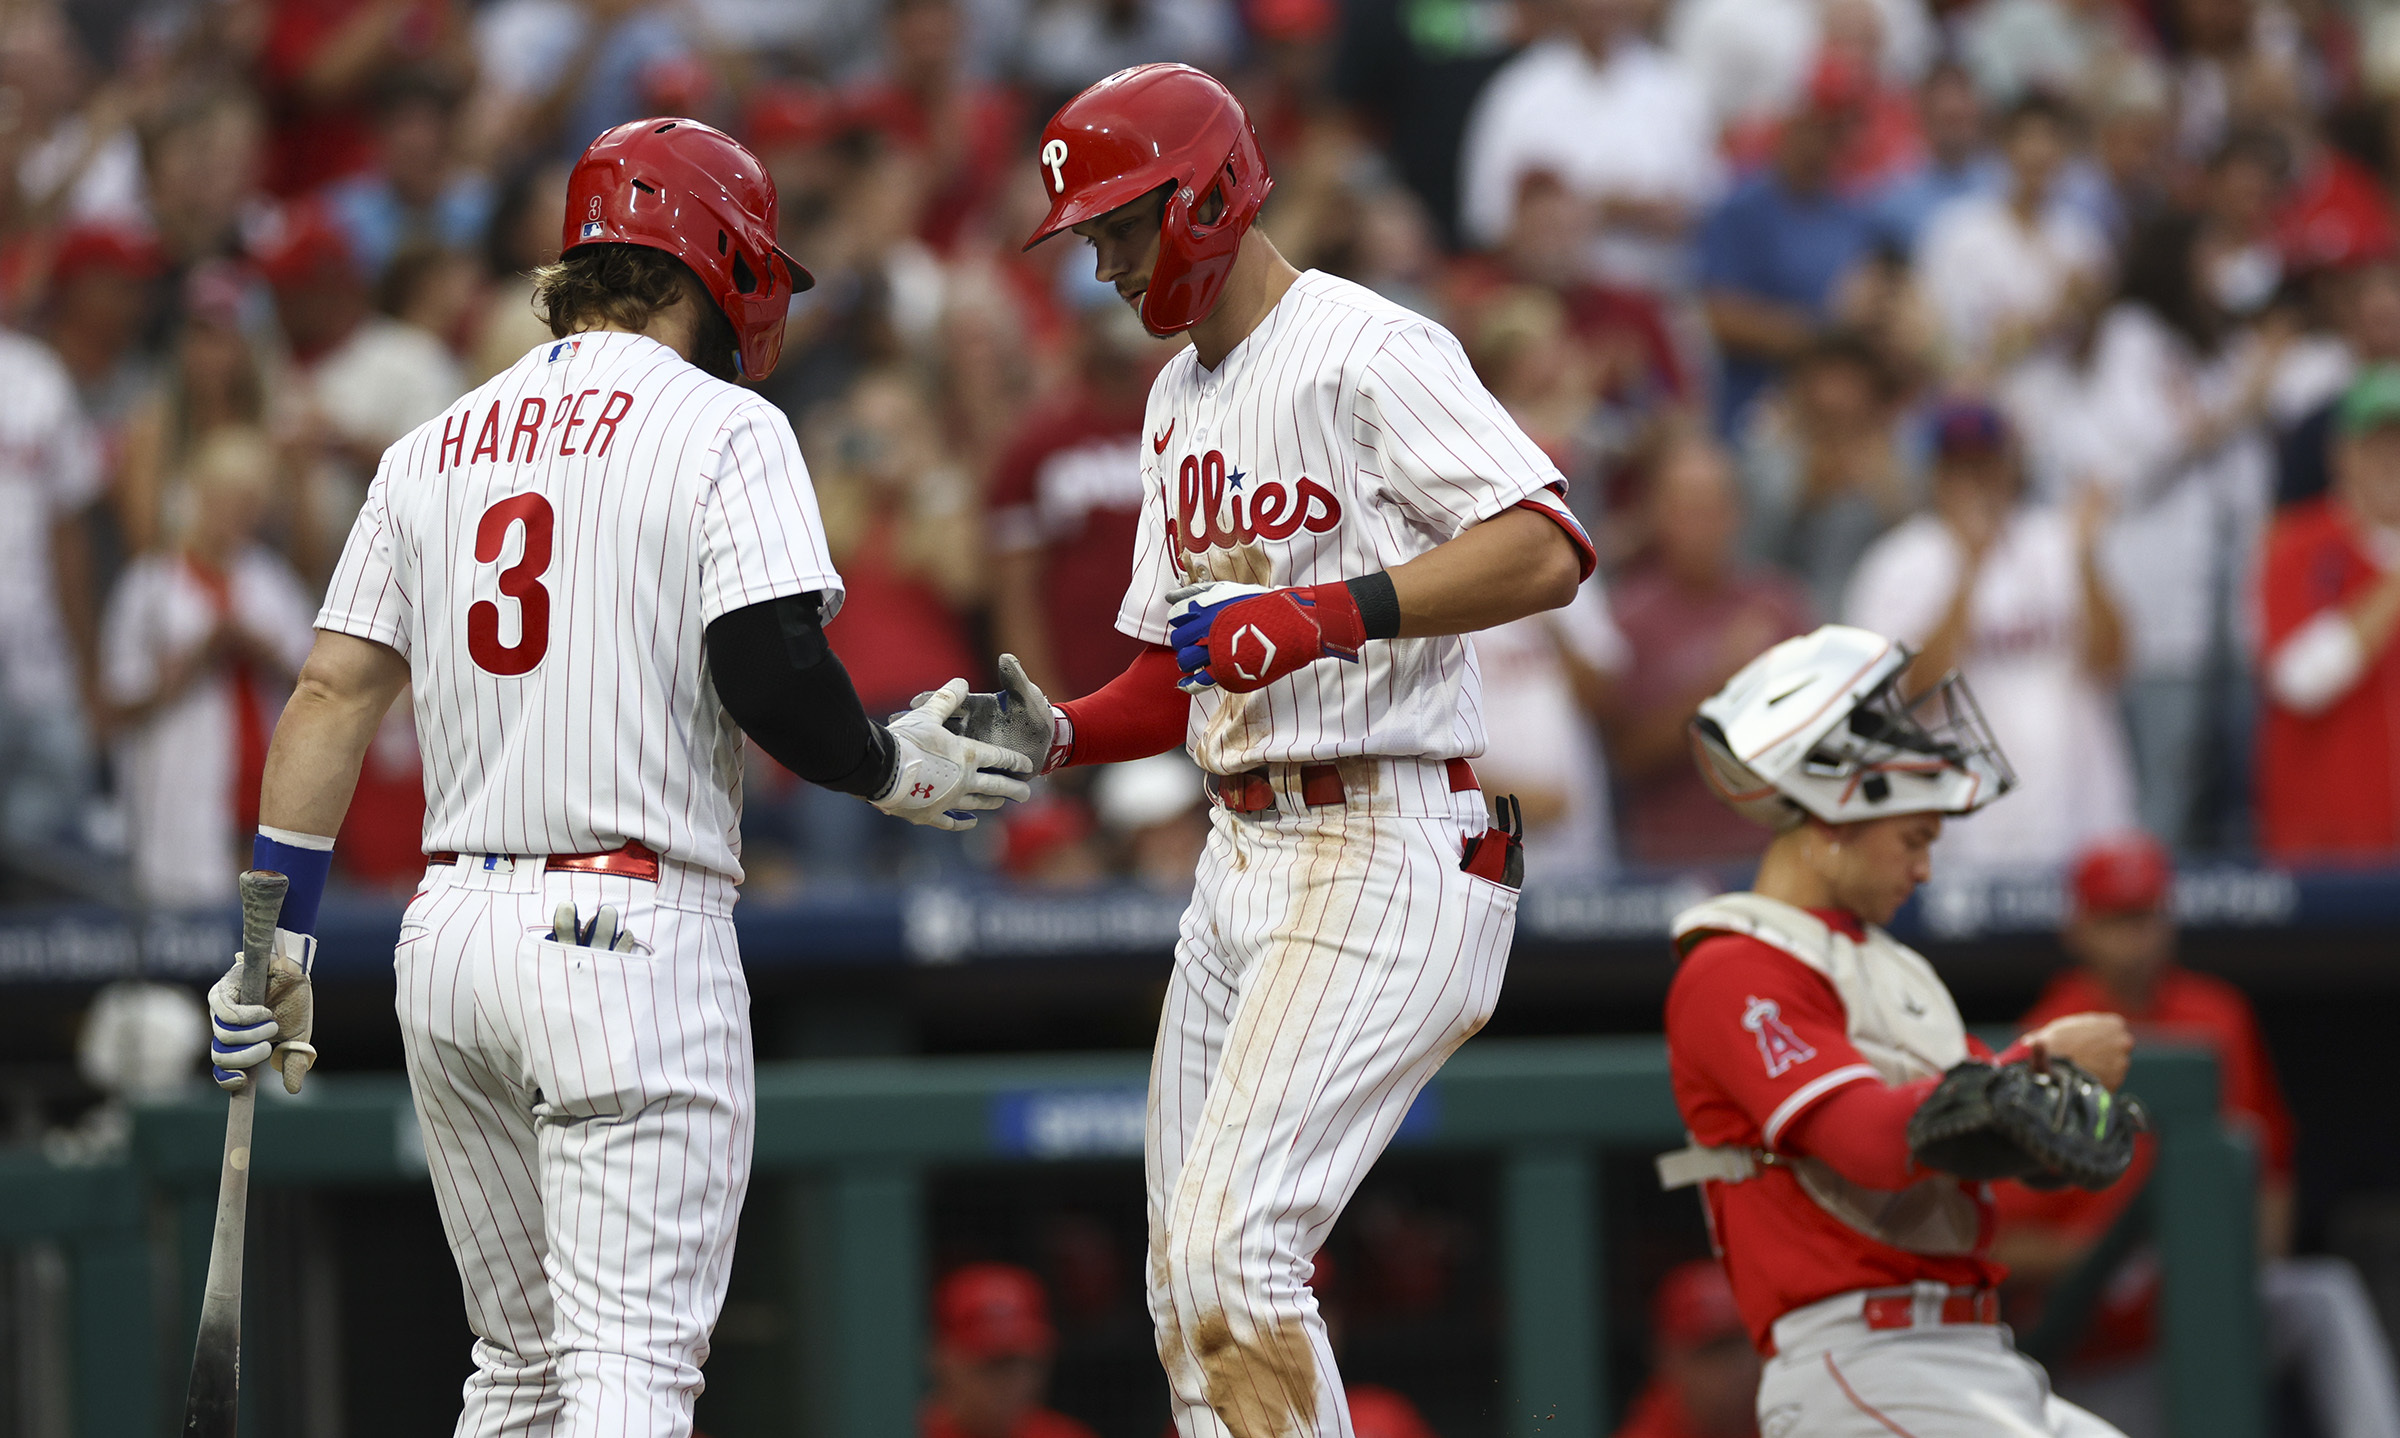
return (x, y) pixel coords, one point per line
(1833, 1377)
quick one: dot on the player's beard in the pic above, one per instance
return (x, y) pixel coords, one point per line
(716, 349)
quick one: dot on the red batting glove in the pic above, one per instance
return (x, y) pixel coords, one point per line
(1242, 638)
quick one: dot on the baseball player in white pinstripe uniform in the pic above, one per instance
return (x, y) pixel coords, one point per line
(596, 572)
(1333, 502)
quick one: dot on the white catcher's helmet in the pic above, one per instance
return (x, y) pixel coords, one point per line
(1817, 725)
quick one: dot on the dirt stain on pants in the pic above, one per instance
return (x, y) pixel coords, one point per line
(1266, 1388)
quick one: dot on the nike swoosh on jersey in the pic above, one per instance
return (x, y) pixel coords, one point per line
(1159, 445)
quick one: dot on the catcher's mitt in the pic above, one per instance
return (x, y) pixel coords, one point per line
(2047, 1128)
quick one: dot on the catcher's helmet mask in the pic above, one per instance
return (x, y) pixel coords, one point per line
(1883, 753)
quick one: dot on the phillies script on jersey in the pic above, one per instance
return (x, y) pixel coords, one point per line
(546, 554)
(1266, 510)
(1344, 436)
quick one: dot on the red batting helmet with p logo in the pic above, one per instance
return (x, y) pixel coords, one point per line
(1148, 128)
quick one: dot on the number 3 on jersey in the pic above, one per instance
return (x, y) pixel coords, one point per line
(521, 581)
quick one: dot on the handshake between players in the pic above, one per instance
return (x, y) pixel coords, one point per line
(947, 768)
(992, 737)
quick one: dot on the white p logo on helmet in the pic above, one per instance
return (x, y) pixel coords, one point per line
(1054, 155)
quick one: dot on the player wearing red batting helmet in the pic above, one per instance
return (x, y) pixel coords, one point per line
(1330, 502)
(598, 574)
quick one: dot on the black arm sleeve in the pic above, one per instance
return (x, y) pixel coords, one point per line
(788, 690)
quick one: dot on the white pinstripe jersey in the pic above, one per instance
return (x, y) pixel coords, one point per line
(1343, 436)
(546, 554)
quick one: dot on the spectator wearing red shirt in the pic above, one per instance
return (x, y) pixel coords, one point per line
(2319, 1319)
(1063, 506)
(2329, 737)
(1691, 614)
(102, 295)
(962, 130)
(1548, 237)
(1705, 1380)
(900, 520)
(992, 1346)
(318, 68)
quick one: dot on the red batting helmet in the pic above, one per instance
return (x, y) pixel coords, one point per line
(690, 190)
(1143, 129)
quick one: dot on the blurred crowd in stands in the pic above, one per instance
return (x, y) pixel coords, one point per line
(2055, 337)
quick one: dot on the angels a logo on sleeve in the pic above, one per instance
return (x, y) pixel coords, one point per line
(1777, 1044)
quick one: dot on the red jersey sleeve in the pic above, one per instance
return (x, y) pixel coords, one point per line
(1755, 1038)
(2253, 1096)
(2306, 571)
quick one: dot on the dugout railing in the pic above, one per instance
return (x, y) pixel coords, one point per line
(870, 1130)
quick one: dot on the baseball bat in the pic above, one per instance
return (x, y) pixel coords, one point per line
(208, 1404)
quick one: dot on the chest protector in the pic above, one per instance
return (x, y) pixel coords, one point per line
(1901, 1020)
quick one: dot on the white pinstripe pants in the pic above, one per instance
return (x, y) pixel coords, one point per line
(1327, 967)
(588, 1119)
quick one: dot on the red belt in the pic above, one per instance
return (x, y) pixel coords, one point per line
(1251, 792)
(1961, 1305)
(634, 861)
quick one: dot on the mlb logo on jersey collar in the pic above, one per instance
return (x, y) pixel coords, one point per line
(564, 349)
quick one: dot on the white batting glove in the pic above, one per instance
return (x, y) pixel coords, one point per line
(605, 931)
(942, 778)
(241, 1036)
(1019, 717)
(1186, 599)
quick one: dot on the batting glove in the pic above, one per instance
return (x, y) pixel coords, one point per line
(1019, 717)
(1242, 637)
(942, 778)
(241, 1035)
(605, 931)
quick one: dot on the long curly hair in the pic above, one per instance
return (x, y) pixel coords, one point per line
(625, 287)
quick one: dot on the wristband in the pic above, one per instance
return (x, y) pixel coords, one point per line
(302, 858)
(1062, 741)
(1341, 628)
(1378, 603)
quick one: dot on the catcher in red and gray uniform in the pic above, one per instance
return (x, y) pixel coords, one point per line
(1843, 1120)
